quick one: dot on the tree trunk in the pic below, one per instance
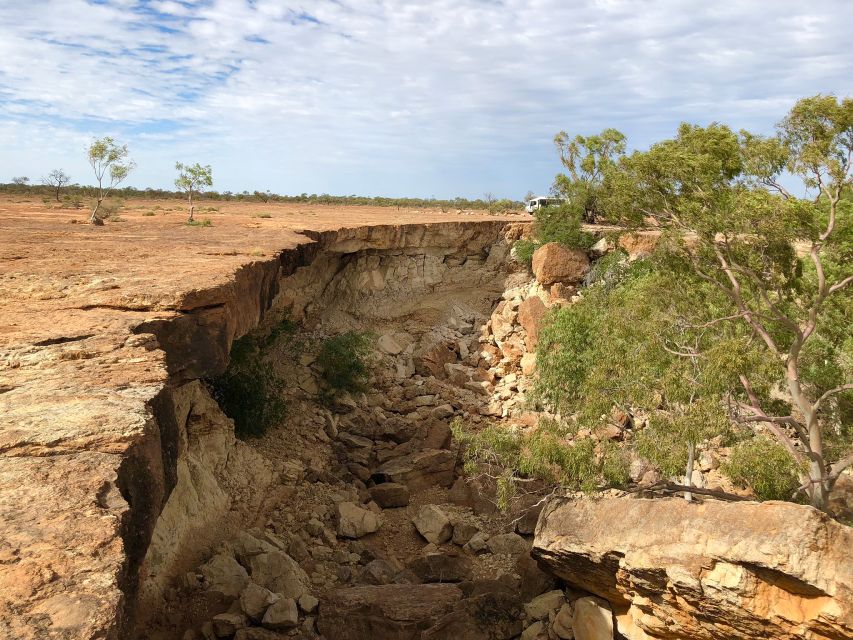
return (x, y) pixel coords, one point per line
(688, 480)
(57, 193)
(192, 209)
(95, 219)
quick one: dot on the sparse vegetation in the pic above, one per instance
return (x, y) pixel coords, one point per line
(249, 391)
(206, 222)
(765, 467)
(56, 180)
(345, 361)
(549, 453)
(191, 178)
(112, 165)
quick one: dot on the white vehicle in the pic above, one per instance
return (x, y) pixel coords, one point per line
(538, 202)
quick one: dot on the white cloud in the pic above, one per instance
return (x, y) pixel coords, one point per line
(394, 96)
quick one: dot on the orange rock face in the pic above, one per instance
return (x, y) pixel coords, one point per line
(531, 314)
(735, 570)
(553, 263)
(97, 325)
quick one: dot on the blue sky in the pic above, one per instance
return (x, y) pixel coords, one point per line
(394, 97)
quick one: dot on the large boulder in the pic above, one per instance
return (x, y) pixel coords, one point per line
(279, 573)
(553, 262)
(592, 619)
(224, 575)
(673, 569)
(420, 470)
(390, 612)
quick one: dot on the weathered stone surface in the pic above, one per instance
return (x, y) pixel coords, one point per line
(356, 522)
(562, 624)
(390, 612)
(433, 524)
(553, 262)
(489, 614)
(441, 567)
(389, 495)
(226, 625)
(542, 605)
(224, 575)
(281, 615)
(510, 544)
(592, 619)
(254, 600)
(420, 470)
(100, 334)
(279, 573)
(671, 569)
(531, 314)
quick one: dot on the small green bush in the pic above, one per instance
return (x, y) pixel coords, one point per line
(248, 391)
(562, 224)
(263, 215)
(148, 213)
(524, 250)
(763, 466)
(200, 223)
(345, 361)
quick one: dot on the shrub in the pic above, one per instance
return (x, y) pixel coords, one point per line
(147, 213)
(562, 224)
(200, 223)
(523, 251)
(344, 361)
(763, 466)
(248, 390)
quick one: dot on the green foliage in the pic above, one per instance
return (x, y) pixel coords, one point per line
(547, 452)
(345, 361)
(731, 311)
(192, 177)
(765, 467)
(111, 164)
(561, 224)
(200, 223)
(588, 160)
(523, 250)
(249, 390)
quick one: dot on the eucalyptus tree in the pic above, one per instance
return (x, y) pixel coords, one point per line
(781, 262)
(191, 178)
(111, 164)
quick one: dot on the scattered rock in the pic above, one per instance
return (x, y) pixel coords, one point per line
(389, 495)
(433, 524)
(279, 573)
(281, 615)
(510, 544)
(592, 619)
(355, 522)
(308, 603)
(479, 543)
(535, 631)
(254, 600)
(463, 531)
(441, 567)
(224, 575)
(421, 469)
(562, 624)
(226, 625)
(391, 612)
(541, 606)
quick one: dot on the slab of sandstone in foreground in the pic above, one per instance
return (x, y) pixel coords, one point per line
(673, 569)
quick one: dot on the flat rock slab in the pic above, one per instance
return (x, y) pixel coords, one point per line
(674, 569)
(390, 612)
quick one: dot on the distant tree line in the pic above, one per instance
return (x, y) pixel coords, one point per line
(88, 191)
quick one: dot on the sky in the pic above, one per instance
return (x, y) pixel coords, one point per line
(438, 98)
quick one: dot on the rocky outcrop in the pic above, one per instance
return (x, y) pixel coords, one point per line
(673, 569)
(93, 419)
